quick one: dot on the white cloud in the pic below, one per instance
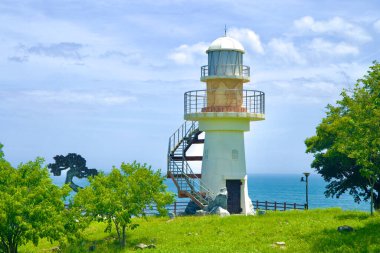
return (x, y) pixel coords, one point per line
(286, 51)
(304, 90)
(77, 97)
(376, 25)
(335, 26)
(322, 46)
(247, 37)
(186, 54)
(62, 49)
(67, 50)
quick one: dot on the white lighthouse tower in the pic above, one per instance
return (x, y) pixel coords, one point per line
(224, 111)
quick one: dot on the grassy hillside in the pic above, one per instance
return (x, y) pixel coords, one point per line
(302, 231)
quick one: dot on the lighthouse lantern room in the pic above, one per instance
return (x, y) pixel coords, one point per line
(223, 111)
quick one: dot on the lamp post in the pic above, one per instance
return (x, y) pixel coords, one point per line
(307, 174)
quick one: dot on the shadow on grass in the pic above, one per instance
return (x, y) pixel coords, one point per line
(363, 239)
(353, 216)
(109, 244)
(106, 245)
(133, 241)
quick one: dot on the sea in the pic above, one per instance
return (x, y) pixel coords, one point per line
(278, 187)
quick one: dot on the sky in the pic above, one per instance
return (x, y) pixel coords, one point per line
(106, 78)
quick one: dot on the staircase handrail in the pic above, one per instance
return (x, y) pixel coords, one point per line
(196, 183)
(183, 131)
(193, 184)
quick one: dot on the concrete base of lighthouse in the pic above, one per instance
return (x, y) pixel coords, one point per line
(223, 164)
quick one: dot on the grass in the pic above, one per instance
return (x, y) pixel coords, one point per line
(302, 231)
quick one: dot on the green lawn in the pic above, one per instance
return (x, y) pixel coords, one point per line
(302, 231)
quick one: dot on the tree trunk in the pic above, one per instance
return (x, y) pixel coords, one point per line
(124, 237)
(118, 231)
(376, 200)
(13, 248)
(371, 199)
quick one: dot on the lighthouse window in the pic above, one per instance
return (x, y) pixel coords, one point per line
(235, 154)
(225, 63)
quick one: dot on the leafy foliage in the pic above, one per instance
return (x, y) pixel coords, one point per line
(30, 205)
(76, 166)
(121, 195)
(1, 152)
(346, 146)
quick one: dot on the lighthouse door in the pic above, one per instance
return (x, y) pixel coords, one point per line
(233, 200)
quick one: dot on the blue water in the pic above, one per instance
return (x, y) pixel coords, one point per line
(289, 188)
(281, 188)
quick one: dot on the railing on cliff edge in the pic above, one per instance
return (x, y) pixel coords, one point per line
(179, 207)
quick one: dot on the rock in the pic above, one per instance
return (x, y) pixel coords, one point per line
(141, 246)
(200, 213)
(345, 228)
(219, 211)
(280, 245)
(220, 200)
(151, 246)
(171, 215)
(191, 208)
(144, 246)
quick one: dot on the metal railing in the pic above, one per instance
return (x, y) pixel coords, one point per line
(225, 70)
(177, 137)
(250, 101)
(278, 206)
(180, 169)
(177, 207)
(192, 185)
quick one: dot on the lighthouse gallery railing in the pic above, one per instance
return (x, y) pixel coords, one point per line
(225, 70)
(250, 101)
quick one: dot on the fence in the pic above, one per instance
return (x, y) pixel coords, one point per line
(176, 208)
(278, 206)
(180, 206)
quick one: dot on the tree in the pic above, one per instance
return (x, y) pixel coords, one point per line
(30, 205)
(1, 152)
(76, 166)
(346, 146)
(121, 195)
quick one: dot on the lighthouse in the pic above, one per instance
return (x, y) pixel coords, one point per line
(223, 111)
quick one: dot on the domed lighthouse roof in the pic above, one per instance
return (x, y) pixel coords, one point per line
(226, 43)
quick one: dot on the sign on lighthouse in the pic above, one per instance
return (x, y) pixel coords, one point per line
(223, 111)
